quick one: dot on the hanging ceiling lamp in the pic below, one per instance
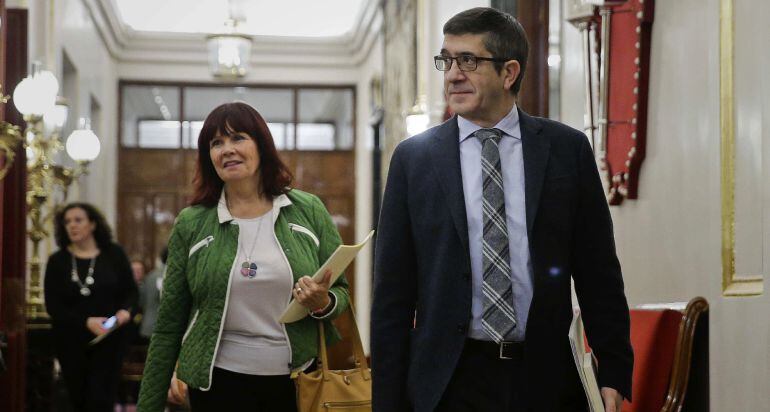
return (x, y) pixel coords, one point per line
(229, 51)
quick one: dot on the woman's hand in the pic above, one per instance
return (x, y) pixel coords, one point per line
(94, 324)
(177, 391)
(123, 316)
(311, 294)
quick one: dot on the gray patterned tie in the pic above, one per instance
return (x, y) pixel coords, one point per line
(499, 316)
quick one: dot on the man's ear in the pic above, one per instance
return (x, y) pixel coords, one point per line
(511, 72)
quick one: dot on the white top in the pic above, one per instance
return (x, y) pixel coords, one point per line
(253, 341)
(512, 161)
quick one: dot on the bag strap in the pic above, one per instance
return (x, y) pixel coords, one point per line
(358, 348)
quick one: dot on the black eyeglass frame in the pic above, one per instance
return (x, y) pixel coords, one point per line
(451, 60)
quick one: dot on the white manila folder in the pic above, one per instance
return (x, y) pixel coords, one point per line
(337, 262)
(584, 363)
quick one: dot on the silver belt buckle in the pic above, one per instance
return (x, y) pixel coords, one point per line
(504, 345)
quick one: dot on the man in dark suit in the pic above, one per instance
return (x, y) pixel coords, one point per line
(485, 219)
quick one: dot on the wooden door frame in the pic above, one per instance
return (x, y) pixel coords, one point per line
(13, 222)
(533, 16)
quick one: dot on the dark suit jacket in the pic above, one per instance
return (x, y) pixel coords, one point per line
(423, 271)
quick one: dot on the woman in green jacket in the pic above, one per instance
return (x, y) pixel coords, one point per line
(237, 256)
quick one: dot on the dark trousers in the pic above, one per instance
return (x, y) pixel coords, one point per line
(232, 391)
(483, 382)
(92, 373)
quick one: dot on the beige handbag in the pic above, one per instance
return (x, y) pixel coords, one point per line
(347, 390)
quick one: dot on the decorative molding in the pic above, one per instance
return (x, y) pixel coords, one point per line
(733, 284)
(127, 45)
(371, 30)
(107, 32)
(369, 23)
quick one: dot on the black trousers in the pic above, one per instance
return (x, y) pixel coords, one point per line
(92, 373)
(232, 391)
(482, 382)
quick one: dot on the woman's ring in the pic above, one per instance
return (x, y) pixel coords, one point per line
(299, 289)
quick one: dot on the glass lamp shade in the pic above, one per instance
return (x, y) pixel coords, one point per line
(36, 94)
(83, 145)
(57, 116)
(417, 118)
(229, 54)
(416, 123)
(48, 83)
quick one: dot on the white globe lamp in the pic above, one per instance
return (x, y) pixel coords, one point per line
(36, 94)
(83, 146)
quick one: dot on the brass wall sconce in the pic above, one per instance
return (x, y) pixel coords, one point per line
(45, 114)
(10, 137)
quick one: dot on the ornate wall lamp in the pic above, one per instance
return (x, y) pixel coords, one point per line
(45, 114)
(9, 139)
(616, 115)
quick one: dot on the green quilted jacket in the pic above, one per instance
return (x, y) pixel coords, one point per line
(202, 250)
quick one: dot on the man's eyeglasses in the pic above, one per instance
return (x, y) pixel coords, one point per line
(465, 62)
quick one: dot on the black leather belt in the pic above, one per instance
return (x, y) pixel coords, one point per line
(503, 350)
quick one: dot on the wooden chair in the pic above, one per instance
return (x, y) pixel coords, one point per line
(670, 353)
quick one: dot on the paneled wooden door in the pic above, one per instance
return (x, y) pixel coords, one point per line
(153, 188)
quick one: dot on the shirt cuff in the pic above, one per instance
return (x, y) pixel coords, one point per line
(328, 310)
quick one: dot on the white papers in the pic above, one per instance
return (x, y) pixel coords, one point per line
(680, 306)
(584, 363)
(337, 262)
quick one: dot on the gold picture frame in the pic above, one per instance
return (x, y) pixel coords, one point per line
(733, 284)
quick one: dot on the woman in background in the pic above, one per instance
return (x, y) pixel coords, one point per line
(237, 256)
(87, 281)
(149, 298)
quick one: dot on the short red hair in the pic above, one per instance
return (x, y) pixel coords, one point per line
(237, 117)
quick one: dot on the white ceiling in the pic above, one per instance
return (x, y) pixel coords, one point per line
(288, 33)
(284, 18)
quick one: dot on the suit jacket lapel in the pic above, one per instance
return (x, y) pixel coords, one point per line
(536, 147)
(446, 163)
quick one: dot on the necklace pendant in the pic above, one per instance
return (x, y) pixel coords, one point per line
(85, 286)
(249, 269)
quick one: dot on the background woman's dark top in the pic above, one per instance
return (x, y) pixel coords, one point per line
(91, 373)
(113, 289)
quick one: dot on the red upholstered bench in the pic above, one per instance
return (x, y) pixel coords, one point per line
(662, 336)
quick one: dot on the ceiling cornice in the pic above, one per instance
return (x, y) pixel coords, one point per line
(127, 45)
(107, 32)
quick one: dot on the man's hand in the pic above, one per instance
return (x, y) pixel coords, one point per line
(612, 400)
